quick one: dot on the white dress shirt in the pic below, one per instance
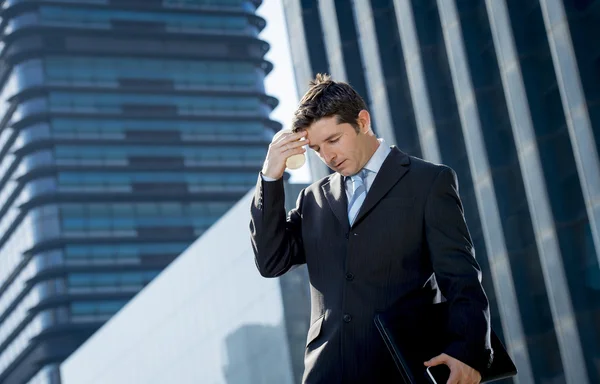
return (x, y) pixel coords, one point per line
(373, 166)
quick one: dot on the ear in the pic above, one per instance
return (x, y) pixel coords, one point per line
(364, 121)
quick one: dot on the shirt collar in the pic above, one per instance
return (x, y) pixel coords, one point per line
(376, 161)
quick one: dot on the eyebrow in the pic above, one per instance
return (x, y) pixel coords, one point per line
(327, 139)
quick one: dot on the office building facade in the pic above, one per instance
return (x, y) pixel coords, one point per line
(506, 92)
(127, 129)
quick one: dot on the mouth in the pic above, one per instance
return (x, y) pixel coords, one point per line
(340, 164)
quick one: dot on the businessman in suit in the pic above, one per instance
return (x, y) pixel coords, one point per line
(383, 228)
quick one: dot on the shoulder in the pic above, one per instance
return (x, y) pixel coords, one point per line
(429, 169)
(315, 188)
(429, 176)
(317, 185)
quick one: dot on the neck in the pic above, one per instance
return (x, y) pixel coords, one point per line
(373, 145)
(372, 148)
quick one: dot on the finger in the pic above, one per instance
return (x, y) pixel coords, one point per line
(292, 152)
(292, 145)
(289, 137)
(283, 143)
(440, 359)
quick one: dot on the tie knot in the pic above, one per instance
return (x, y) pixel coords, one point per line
(358, 180)
(360, 176)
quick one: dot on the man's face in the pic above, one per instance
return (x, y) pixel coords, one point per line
(339, 145)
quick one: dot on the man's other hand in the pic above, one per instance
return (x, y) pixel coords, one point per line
(282, 147)
(460, 373)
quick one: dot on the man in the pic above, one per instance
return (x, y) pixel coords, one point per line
(384, 227)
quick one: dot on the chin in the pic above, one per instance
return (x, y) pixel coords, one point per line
(341, 172)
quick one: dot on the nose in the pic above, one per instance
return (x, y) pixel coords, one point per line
(328, 156)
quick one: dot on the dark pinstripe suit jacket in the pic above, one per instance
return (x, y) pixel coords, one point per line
(408, 240)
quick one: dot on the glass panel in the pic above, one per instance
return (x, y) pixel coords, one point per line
(104, 18)
(183, 74)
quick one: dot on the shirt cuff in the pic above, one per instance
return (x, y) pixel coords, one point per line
(267, 178)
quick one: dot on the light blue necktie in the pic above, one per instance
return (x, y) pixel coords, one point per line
(359, 192)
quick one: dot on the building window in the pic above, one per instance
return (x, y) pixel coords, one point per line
(100, 307)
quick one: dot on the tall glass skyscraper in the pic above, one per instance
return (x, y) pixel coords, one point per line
(507, 92)
(126, 129)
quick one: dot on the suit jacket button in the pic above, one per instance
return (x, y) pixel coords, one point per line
(346, 236)
(349, 276)
(347, 318)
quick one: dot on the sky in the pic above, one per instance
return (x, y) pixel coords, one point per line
(281, 82)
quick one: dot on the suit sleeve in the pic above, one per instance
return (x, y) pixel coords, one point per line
(276, 239)
(458, 273)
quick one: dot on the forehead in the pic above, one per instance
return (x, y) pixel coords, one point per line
(324, 128)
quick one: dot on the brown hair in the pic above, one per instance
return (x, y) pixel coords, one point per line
(325, 98)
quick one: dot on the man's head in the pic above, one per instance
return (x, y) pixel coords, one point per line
(338, 125)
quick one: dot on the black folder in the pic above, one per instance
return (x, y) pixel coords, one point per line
(413, 337)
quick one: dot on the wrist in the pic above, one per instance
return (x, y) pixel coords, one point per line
(268, 178)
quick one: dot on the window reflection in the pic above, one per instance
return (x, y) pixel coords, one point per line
(115, 217)
(100, 307)
(106, 18)
(82, 128)
(89, 282)
(115, 103)
(183, 74)
(171, 3)
(78, 154)
(76, 180)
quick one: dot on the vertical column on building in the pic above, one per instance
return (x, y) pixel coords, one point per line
(484, 189)
(331, 37)
(537, 196)
(302, 70)
(298, 49)
(416, 79)
(576, 112)
(375, 79)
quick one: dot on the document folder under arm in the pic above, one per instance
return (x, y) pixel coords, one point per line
(415, 336)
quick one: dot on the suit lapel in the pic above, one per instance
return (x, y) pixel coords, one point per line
(393, 169)
(335, 193)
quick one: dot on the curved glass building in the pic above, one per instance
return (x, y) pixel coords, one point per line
(126, 129)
